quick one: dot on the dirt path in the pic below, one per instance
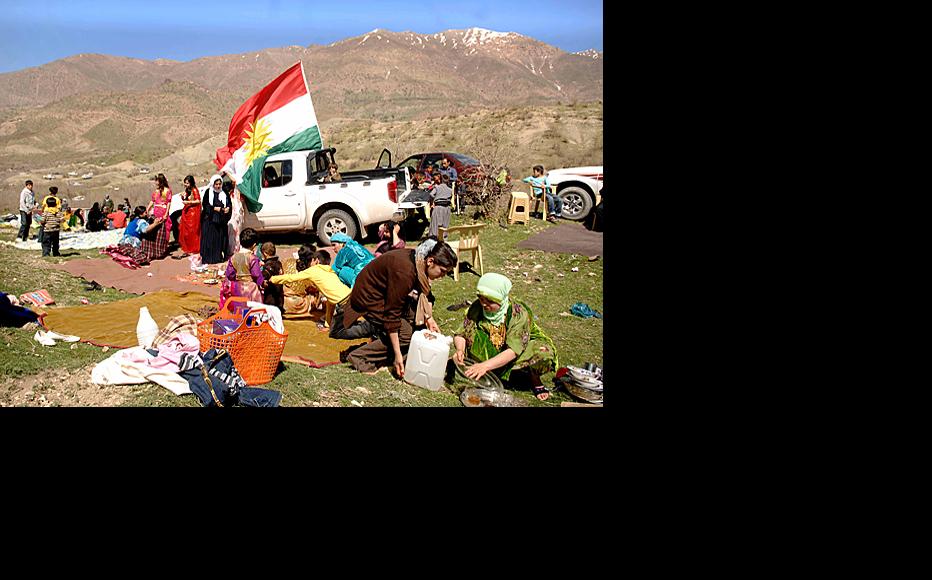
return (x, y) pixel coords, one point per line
(57, 388)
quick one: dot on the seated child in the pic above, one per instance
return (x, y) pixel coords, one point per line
(272, 294)
(243, 275)
(325, 280)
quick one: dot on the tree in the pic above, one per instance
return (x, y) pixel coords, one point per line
(491, 146)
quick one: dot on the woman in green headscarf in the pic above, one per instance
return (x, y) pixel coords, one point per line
(500, 333)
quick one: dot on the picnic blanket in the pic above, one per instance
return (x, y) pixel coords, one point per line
(169, 273)
(74, 240)
(114, 324)
(566, 238)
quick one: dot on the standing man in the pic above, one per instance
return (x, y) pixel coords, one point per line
(27, 201)
(392, 295)
(449, 176)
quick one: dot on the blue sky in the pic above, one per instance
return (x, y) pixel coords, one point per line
(36, 32)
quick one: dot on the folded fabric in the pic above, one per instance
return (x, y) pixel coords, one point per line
(584, 310)
(170, 352)
(182, 324)
(274, 315)
(130, 367)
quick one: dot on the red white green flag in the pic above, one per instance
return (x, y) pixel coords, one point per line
(277, 119)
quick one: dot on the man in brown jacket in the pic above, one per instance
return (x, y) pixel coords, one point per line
(392, 295)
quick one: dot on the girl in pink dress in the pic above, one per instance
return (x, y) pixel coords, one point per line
(161, 198)
(244, 271)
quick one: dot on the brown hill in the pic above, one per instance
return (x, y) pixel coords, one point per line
(135, 134)
(380, 75)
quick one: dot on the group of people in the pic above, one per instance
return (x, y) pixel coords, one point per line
(198, 226)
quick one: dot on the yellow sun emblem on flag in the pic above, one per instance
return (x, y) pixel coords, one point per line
(258, 137)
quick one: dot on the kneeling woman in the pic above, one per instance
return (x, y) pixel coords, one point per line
(501, 334)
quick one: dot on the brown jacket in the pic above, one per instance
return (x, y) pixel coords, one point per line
(381, 290)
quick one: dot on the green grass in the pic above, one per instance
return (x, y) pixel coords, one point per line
(548, 294)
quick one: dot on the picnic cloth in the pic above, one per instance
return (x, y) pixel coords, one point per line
(114, 324)
(566, 238)
(74, 240)
(169, 273)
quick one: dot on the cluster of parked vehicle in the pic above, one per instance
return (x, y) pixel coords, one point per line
(300, 201)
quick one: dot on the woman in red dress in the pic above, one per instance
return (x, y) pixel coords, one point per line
(190, 230)
(161, 199)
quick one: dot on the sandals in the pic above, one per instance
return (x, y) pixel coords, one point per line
(541, 390)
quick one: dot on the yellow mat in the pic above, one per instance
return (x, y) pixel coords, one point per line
(114, 324)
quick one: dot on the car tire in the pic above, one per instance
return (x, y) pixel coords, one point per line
(333, 221)
(577, 203)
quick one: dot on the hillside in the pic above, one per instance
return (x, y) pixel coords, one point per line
(184, 142)
(381, 75)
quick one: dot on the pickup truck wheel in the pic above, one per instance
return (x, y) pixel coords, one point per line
(333, 221)
(576, 203)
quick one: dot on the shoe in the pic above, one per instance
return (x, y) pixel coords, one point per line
(65, 337)
(551, 219)
(42, 339)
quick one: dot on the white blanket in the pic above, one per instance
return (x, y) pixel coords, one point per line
(74, 240)
(129, 367)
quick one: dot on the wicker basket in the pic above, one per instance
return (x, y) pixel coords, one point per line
(255, 347)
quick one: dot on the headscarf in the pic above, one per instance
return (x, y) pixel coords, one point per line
(425, 248)
(340, 238)
(214, 194)
(496, 288)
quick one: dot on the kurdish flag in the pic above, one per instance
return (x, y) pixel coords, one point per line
(277, 119)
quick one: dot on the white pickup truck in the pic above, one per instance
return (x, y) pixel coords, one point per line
(580, 188)
(294, 198)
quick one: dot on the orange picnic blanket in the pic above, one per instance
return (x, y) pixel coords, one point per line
(114, 324)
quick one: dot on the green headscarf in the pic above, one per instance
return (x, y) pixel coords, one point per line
(495, 287)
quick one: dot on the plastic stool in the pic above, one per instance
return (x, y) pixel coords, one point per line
(518, 212)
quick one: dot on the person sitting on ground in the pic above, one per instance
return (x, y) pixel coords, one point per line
(502, 336)
(51, 226)
(272, 293)
(132, 235)
(117, 218)
(244, 273)
(13, 314)
(95, 219)
(540, 184)
(441, 197)
(76, 219)
(393, 297)
(351, 258)
(66, 216)
(333, 175)
(321, 277)
(391, 238)
(298, 294)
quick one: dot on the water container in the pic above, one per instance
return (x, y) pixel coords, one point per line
(146, 328)
(427, 359)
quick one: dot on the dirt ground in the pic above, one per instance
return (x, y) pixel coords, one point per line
(51, 389)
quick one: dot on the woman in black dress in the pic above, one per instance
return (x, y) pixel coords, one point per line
(216, 210)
